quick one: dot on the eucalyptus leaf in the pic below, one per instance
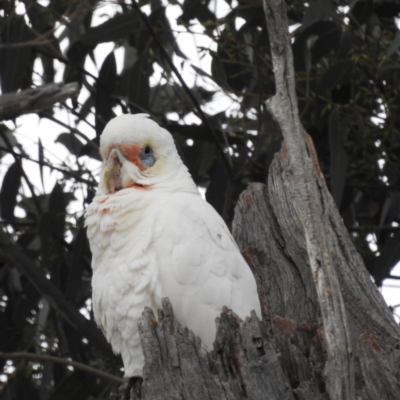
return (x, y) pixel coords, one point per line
(115, 28)
(339, 159)
(9, 191)
(104, 90)
(71, 142)
(15, 59)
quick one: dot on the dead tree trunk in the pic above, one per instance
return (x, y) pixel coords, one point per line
(326, 331)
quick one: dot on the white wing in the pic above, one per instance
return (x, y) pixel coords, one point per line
(200, 266)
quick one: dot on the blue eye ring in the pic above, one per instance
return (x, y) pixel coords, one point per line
(146, 156)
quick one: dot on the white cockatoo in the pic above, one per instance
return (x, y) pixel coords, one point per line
(152, 236)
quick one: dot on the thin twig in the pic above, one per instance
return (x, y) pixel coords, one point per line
(17, 223)
(46, 164)
(29, 43)
(27, 181)
(373, 228)
(58, 360)
(71, 129)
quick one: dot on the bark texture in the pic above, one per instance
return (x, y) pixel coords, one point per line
(243, 364)
(12, 105)
(350, 305)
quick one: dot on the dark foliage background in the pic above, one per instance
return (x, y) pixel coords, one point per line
(348, 80)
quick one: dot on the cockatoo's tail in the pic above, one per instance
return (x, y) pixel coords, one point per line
(153, 236)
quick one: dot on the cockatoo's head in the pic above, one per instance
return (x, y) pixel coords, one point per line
(138, 153)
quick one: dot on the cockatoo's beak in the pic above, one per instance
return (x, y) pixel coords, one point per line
(112, 171)
(123, 168)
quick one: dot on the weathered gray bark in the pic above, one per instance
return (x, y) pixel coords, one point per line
(243, 365)
(27, 101)
(326, 331)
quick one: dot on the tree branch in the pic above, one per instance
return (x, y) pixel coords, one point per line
(59, 360)
(12, 105)
(283, 106)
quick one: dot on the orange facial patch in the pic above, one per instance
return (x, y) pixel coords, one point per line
(130, 152)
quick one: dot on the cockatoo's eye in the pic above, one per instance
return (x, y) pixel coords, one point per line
(146, 156)
(147, 150)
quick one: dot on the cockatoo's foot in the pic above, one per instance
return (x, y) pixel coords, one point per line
(131, 388)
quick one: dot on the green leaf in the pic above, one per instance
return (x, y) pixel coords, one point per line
(218, 186)
(71, 142)
(14, 60)
(41, 160)
(40, 17)
(57, 200)
(217, 71)
(171, 98)
(325, 36)
(104, 90)
(28, 204)
(201, 72)
(26, 303)
(388, 258)
(252, 12)
(360, 122)
(86, 107)
(391, 74)
(42, 21)
(9, 137)
(339, 159)
(74, 386)
(139, 85)
(320, 10)
(196, 9)
(88, 150)
(328, 41)
(191, 156)
(47, 237)
(9, 191)
(201, 133)
(339, 73)
(113, 29)
(393, 45)
(20, 387)
(162, 27)
(207, 157)
(77, 52)
(80, 250)
(57, 206)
